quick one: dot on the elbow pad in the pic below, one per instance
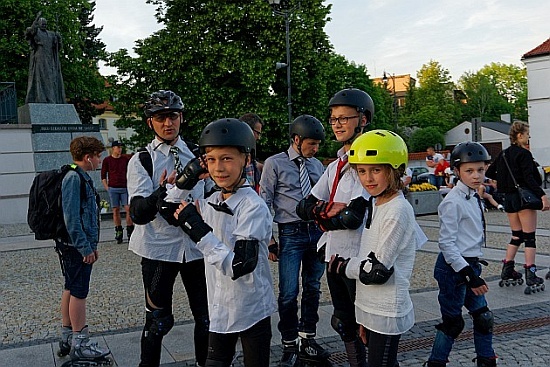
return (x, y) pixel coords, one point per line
(351, 217)
(377, 274)
(189, 177)
(143, 210)
(305, 208)
(246, 257)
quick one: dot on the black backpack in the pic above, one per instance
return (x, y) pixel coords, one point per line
(45, 214)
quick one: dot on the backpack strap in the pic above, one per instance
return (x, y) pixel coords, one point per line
(146, 161)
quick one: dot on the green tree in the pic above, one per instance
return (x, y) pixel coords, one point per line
(423, 138)
(494, 90)
(220, 58)
(79, 55)
(432, 102)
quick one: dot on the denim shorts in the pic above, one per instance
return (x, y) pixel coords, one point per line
(118, 196)
(77, 273)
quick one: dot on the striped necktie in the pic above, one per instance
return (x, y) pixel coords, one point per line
(177, 163)
(305, 183)
(482, 217)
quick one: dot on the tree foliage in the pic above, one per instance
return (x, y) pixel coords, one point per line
(424, 138)
(79, 55)
(220, 58)
(495, 89)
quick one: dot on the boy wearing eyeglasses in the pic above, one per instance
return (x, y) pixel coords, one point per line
(166, 251)
(338, 203)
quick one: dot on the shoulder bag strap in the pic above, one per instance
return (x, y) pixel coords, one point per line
(509, 169)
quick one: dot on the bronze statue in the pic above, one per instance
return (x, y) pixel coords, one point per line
(45, 80)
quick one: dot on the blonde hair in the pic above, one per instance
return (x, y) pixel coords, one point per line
(517, 127)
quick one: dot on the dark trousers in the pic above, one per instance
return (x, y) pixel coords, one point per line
(159, 278)
(342, 293)
(255, 341)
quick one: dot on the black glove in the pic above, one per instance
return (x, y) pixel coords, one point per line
(167, 209)
(337, 265)
(189, 177)
(274, 248)
(192, 223)
(470, 277)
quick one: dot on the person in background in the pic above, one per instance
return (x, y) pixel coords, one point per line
(407, 179)
(80, 253)
(523, 222)
(432, 158)
(113, 177)
(439, 172)
(254, 168)
(287, 178)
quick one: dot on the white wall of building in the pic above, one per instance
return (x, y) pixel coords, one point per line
(463, 132)
(109, 130)
(538, 104)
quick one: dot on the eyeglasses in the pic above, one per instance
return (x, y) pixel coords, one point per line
(342, 120)
(257, 132)
(161, 117)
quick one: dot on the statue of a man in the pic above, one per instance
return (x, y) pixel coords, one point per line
(45, 80)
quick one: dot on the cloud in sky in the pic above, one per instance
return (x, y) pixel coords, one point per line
(393, 35)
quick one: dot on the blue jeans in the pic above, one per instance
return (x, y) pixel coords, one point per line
(453, 295)
(298, 247)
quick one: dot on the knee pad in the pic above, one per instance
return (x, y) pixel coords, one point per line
(516, 241)
(451, 326)
(530, 240)
(346, 332)
(159, 322)
(483, 320)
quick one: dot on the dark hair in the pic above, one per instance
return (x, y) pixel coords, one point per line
(251, 119)
(85, 145)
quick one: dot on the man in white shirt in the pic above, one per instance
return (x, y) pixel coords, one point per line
(432, 159)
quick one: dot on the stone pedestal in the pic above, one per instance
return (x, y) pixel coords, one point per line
(424, 202)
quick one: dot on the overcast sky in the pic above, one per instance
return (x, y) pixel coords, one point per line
(393, 35)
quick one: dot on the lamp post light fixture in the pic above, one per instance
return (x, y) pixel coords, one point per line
(394, 97)
(282, 8)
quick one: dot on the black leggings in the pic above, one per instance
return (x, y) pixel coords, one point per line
(256, 343)
(382, 349)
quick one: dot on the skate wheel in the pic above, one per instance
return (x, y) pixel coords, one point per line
(501, 283)
(542, 287)
(520, 281)
(508, 283)
(527, 290)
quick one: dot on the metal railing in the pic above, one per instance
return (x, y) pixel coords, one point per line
(8, 103)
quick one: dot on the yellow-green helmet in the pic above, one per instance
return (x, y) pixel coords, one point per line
(379, 147)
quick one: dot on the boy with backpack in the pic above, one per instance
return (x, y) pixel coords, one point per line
(232, 228)
(79, 252)
(458, 267)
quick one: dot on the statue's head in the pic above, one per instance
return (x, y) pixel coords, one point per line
(42, 23)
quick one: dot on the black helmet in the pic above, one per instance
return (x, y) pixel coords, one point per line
(163, 100)
(307, 126)
(355, 98)
(228, 132)
(468, 152)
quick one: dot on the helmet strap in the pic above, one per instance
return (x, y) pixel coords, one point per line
(358, 130)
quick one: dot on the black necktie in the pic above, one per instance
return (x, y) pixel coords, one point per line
(222, 207)
(482, 217)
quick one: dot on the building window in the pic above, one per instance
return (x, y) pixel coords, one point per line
(102, 124)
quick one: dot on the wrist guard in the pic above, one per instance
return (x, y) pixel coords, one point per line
(338, 265)
(189, 177)
(167, 209)
(143, 210)
(305, 207)
(470, 277)
(192, 223)
(373, 271)
(246, 257)
(351, 217)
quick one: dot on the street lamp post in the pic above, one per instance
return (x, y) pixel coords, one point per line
(394, 96)
(285, 11)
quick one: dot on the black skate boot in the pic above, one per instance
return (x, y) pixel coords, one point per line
(485, 362)
(65, 342)
(532, 281)
(312, 354)
(84, 352)
(129, 230)
(290, 354)
(118, 234)
(509, 275)
(547, 275)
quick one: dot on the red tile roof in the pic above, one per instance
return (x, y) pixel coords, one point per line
(542, 49)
